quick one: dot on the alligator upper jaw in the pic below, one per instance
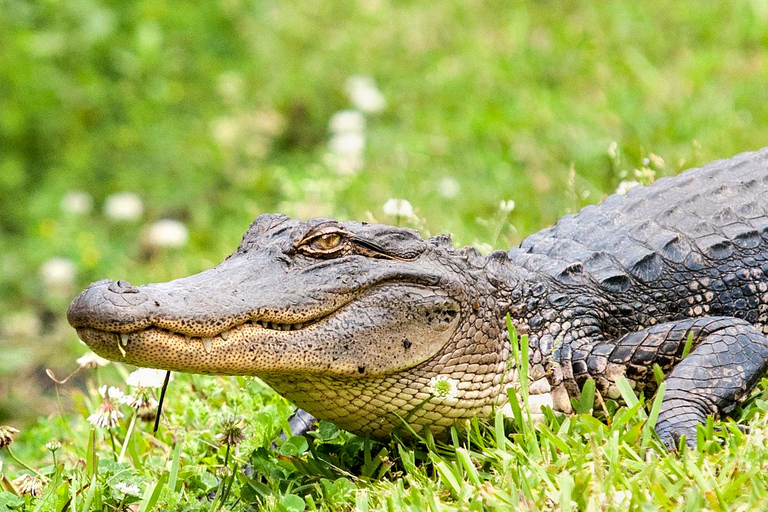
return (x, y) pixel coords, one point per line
(372, 335)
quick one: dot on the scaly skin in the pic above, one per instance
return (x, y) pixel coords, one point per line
(358, 323)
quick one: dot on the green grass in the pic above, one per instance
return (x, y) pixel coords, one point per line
(214, 112)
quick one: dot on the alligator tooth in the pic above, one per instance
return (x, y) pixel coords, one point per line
(208, 344)
(224, 335)
(296, 327)
(123, 339)
(188, 338)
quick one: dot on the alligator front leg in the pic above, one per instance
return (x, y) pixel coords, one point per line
(727, 359)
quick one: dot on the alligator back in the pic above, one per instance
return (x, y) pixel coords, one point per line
(691, 245)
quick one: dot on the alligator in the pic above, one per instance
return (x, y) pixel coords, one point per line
(370, 326)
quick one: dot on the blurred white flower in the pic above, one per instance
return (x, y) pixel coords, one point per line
(345, 152)
(91, 360)
(398, 208)
(123, 206)
(77, 202)
(625, 185)
(128, 489)
(146, 378)
(225, 131)
(506, 206)
(166, 233)
(348, 143)
(346, 121)
(448, 187)
(364, 94)
(58, 273)
(613, 149)
(346, 164)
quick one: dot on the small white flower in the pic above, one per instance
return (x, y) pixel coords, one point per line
(123, 206)
(107, 415)
(398, 208)
(448, 187)
(347, 143)
(622, 497)
(347, 121)
(91, 360)
(364, 94)
(58, 272)
(166, 233)
(625, 185)
(146, 378)
(506, 206)
(444, 387)
(77, 202)
(128, 489)
(110, 392)
(139, 400)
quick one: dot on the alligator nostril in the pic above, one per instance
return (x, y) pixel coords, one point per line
(122, 287)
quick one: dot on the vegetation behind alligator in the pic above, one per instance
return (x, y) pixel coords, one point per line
(365, 325)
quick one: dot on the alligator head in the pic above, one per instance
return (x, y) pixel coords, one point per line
(354, 322)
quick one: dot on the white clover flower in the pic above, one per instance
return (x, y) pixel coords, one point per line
(111, 392)
(77, 202)
(58, 272)
(448, 187)
(139, 400)
(506, 206)
(124, 206)
(398, 208)
(347, 143)
(166, 233)
(91, 360)
(107, 415)
(30, 484)
(444, 387)
(364, 94)
(146, 378)
(347, 121)
(625, 185)
(128, 489)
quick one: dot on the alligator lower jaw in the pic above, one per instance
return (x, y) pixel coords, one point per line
(237, 351)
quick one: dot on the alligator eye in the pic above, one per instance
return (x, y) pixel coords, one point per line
(327, 241)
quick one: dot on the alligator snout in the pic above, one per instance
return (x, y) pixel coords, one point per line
(110, 306)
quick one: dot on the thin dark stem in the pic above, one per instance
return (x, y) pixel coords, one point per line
(160, 404)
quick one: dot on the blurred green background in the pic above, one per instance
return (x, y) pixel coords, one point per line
(210, 113)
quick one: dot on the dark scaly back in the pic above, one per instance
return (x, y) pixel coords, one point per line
(686, 246)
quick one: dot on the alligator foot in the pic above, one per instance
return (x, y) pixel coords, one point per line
(730, 358)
